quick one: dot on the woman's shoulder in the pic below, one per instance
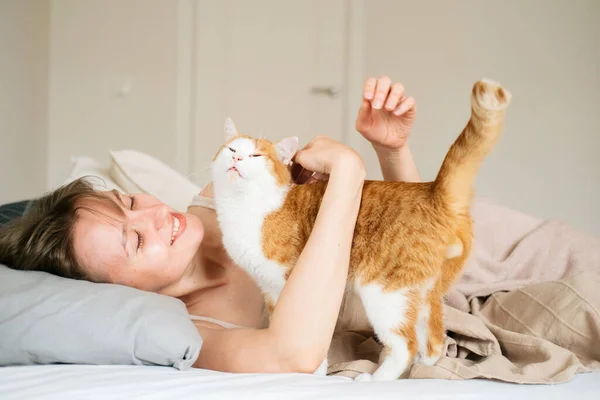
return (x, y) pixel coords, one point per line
(203, 199)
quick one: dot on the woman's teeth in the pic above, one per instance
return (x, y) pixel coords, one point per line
(176, 225)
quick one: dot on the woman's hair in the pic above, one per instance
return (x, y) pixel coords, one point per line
(42, 239)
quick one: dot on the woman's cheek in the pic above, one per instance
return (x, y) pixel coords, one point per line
(194, 232)
(156, 254)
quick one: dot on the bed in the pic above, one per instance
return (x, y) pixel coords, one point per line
(472, 316)
(140, 382)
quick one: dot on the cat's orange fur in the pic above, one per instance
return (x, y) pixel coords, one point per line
(408, 236)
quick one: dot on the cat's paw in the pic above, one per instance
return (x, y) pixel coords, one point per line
(430, 358)
(490, 96)
(365, 377)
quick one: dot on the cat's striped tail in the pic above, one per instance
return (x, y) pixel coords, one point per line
(456, 178)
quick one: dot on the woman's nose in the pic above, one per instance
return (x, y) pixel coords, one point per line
(154, 217)
(161, 217)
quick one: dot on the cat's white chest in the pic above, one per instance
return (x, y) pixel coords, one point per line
(242, 237)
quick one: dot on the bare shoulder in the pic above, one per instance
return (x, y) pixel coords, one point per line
(207, 192)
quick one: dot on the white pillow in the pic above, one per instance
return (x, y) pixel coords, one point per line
(138, 172)
(87, 166)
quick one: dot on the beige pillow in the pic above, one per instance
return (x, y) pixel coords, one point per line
(137, 172)
(97, 173)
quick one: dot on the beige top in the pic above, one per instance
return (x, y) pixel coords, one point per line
(202, 201)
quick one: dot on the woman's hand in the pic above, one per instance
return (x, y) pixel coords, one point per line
(323, 154)
(319, 157)
(386, 115)
(385, 119)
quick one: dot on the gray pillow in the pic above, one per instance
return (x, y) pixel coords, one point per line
(46, 319)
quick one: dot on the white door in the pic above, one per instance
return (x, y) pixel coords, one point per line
(276, 67)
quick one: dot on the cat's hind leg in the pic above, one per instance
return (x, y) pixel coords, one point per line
(430, 329)
(423, 329)
(435, 330)
(393, 315)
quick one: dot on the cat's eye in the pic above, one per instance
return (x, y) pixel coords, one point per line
(257, 155)
(231, 150)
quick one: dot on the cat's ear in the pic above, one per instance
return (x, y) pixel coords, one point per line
(286, 148)
(230, 129)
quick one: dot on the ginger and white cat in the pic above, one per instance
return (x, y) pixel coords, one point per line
(410, 242)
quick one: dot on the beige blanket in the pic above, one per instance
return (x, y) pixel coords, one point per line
(526, 309)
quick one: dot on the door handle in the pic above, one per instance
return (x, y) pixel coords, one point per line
(331, 91)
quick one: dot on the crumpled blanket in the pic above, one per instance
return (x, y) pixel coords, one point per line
(526, 309)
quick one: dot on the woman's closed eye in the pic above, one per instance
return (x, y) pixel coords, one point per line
(140, 238)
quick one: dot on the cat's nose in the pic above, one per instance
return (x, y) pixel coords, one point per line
(237, 157)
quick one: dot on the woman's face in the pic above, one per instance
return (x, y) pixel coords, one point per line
(148, 246)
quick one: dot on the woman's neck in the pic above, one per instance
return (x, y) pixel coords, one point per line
(208, 269)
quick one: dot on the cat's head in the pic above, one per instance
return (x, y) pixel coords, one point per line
(244, 161)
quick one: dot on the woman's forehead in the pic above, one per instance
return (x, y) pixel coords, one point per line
(97, 238)
(93, 213)
(106, 202)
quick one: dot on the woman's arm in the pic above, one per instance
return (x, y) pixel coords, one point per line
(397, 164)
(385, 119)
(305, 315)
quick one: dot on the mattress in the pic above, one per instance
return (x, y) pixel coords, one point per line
(138, 382)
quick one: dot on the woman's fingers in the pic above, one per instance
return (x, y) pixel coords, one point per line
(317, 177)
(395, 96)
(369, 88)
(363, 117)
(319, 153)
(300, 175)
(405, 106)
(381, 92)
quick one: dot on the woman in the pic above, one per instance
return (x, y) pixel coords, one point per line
(139, 242)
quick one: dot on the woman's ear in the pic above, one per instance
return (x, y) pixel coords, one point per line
(230, 129)
(286, 148)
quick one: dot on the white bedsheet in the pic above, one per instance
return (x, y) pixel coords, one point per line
(133, 382)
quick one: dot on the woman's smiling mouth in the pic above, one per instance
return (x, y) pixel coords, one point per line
(179, 225)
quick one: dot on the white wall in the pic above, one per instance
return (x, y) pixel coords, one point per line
(23, 97)
(100, 48)
(546, 52)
